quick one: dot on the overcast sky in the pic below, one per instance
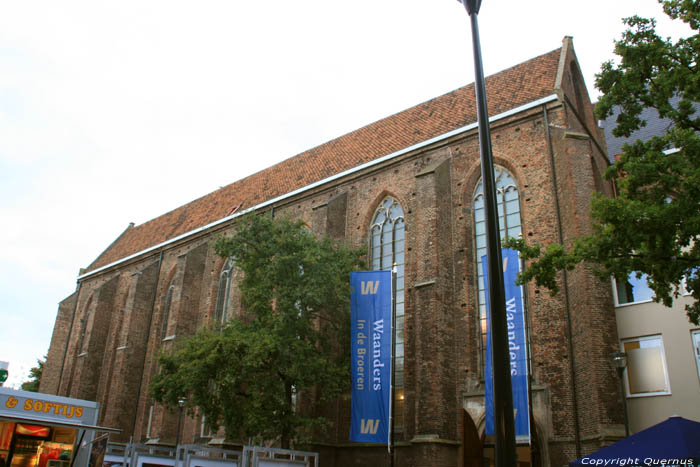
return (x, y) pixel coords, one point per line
(117, 112)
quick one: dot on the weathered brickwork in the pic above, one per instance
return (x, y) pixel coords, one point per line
(52, 375)
(109, 333)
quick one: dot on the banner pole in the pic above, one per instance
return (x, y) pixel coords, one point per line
(394, 271)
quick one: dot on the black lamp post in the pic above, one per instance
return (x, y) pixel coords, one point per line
(180, 406)
(504, 422)
(620, 361)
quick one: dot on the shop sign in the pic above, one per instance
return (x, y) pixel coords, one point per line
(36, 406)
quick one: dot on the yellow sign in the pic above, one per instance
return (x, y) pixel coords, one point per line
(31, 405)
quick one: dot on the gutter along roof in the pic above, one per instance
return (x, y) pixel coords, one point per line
(511, 89)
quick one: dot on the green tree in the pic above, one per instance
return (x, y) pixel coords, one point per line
(34, 376)
(652, 226)
(292, 337)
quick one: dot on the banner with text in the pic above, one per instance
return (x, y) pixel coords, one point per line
(517, 345)
(370, 333)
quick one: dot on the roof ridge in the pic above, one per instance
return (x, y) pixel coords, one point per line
(508, 88)
(330, 141)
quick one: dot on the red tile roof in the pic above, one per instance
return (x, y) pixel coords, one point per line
(506, 90)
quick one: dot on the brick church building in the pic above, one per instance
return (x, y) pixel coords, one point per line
(414, 174)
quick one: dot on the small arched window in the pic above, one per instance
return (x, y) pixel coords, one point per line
(223, 298)
(387, 243)
(166, 311)
(508, 200)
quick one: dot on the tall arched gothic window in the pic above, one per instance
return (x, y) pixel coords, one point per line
(508, 201)
(224, 297)
(387, 244)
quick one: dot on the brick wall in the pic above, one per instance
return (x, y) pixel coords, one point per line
(51, 374)
(553, 152)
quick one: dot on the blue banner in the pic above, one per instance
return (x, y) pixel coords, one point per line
(371, 339)
(517, 345)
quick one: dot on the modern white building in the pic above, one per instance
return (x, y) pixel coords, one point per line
(662, 377)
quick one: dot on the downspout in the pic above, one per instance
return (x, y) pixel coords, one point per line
(560, 231)
(70, 331)
(150, 322)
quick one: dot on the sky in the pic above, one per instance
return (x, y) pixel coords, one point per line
(117, 112)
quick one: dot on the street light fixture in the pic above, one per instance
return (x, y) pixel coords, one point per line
(620, 361)
(504, 422)
(180, 406)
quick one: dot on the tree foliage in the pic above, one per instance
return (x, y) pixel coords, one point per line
(34, 376)
(652, 226)
(293, 335)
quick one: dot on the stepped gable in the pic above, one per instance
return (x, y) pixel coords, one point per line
(507, 89)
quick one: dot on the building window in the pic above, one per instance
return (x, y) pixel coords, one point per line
(166, 312)
(633, 290)
(387, 243)
(223, 299)
(692, 275)
(696, 348)
(647, 374)
(204, 429)
(508, 200)
(150, 422)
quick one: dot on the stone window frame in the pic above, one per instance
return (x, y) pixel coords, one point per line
(386, 208)
(511, 229)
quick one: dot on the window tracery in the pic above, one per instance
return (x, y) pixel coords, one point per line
(387, 245)
(509, 222)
